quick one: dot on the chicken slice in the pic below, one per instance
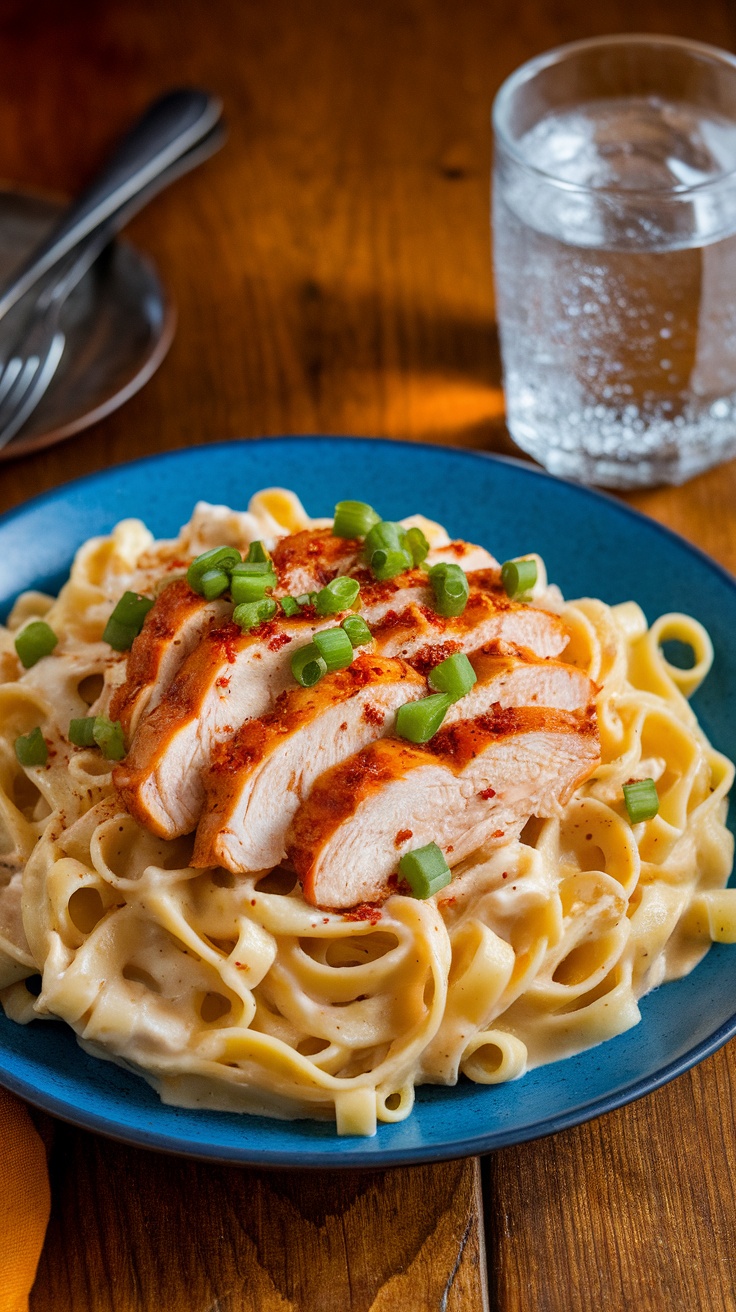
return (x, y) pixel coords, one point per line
(476, 781)
(419, 635)
(307, 560)
(230, 677)
(172, 629)
(510, 676)
(257, 780)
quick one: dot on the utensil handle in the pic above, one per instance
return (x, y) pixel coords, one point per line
(167, 129)
(69, 271)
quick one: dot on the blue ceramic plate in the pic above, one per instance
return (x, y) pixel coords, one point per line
(592, 545)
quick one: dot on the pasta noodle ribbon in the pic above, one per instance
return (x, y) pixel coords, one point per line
(231, 992)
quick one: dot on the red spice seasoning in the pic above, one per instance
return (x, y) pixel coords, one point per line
(227, 637)
(365, 911)
(280, 640)
(402, 836)
(373, 715)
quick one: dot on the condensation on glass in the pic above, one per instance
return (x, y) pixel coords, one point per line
(614, 221)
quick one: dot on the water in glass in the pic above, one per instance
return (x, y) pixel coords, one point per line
(615, 259)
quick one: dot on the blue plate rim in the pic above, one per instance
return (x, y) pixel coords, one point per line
(349, 1157)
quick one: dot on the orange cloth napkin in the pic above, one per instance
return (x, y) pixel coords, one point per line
(25, 1203)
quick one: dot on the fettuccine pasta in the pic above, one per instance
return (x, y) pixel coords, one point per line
(232, 992)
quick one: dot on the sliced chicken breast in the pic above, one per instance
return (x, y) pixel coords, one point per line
(171, 630)
(257, 780)
(511, 676)
(419, 635)
(307, 560)
(466, 555)
(230, 677)
(476, 781)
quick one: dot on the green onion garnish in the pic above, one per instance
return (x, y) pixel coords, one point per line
(213, 583)
(307, 665)
(450, 587)
(357, 630)
(82, 731)
(108, 735)
(340, 594)
(251, 579)
(97, 731)
(353, 519)
(518, 577)
(387, 563)
(419, 721)
(454, 676)
(257, 553)
(425, 870)
(417, 544)
(642, 802)
(304, 599)
(37, 639)
(335, 648)
(222, 559)
(251, 613)
(31, 748)
(119, 636)
(387, 551)
(126, 620)
(289, 605)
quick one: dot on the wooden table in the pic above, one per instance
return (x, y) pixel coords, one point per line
(331, 269)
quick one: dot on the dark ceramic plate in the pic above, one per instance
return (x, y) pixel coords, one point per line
(118, 324)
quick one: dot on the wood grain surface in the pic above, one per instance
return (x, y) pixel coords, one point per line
(332, 274)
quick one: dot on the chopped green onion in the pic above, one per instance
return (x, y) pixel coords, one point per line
(386, 550)
(82, 731)
(98, 731)
(357, 630)
(37, 639)
(31, 748)
(307, 665)
(425, 870)
(335, 648)
(222, 559)
(353, 519)
(132, 609)
(417, 544)
(126, 620)
(257, 554)
(304, 599)
(119, 636)
(251, 613)
(419, 721)
(385, 533)
(387, 563)
(454, 676)
(250, 580)
(108, 735)
(213, 583)
(518, 577)
(289, 605)
(642, 802)
(340, 594)
(450, 587)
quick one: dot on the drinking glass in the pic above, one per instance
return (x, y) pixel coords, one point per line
(614, 222)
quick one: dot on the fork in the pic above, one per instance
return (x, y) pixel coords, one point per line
(35, 354)
(176, 133)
